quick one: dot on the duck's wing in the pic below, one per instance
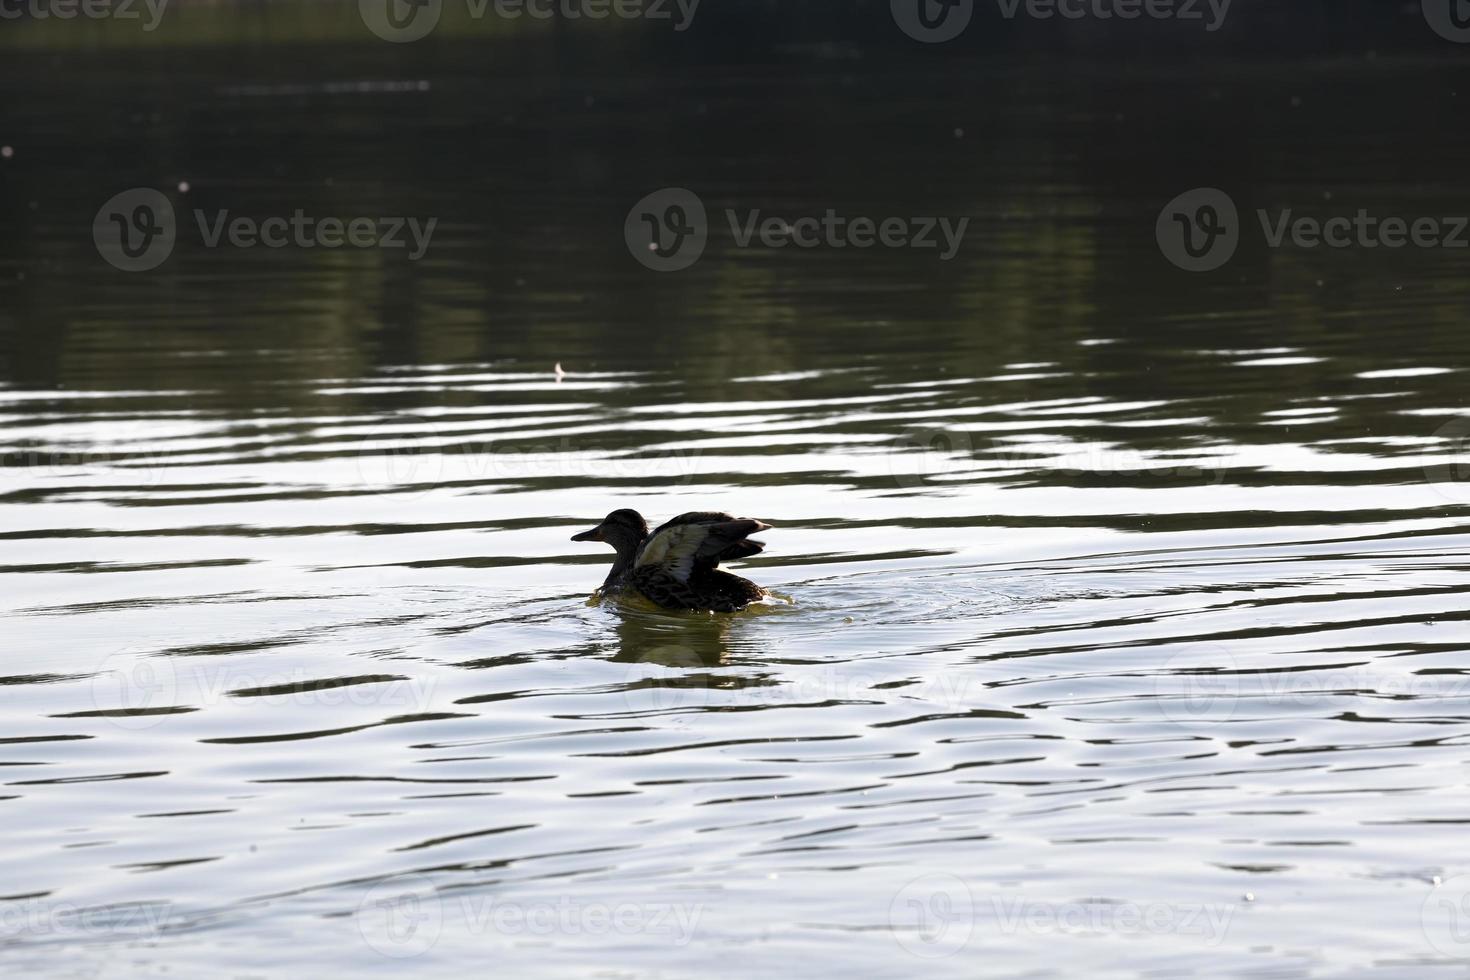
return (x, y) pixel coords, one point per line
(698, 541)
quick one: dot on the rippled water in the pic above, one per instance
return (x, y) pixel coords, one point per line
(1119, 620)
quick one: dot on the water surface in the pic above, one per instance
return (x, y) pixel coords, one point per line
(1121, 619)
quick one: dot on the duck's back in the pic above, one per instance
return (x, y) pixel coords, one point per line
(676, 566)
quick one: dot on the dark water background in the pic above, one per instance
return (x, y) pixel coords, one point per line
(1124, 625)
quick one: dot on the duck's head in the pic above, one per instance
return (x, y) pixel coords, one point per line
(623, 529)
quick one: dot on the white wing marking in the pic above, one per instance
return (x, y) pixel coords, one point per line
(674, 549)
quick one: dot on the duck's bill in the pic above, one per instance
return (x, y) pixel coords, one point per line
(595, 534)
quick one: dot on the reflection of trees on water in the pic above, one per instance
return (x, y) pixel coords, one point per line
(532, 181)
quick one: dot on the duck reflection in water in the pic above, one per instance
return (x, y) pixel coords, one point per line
(647, 634)
(683, 649)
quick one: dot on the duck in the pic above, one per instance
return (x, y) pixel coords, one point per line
(675, 565)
